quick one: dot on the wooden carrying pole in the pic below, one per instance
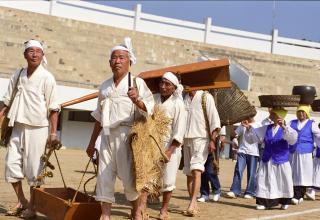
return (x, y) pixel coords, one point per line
(81, 99)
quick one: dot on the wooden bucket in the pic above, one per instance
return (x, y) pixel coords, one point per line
(56, 204)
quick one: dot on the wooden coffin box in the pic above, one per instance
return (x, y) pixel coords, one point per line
(56, 204)
(201, 75)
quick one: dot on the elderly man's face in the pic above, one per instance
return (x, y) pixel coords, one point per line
(34, 56)
(119, 62)
(166, 88)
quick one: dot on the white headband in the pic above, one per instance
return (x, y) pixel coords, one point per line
(172, 78)
(127, 46)
(35, 43)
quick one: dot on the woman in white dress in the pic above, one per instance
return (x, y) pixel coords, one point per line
(301, 153)
(274, 178)
(316, 174)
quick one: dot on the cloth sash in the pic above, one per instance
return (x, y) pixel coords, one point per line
(111, 104)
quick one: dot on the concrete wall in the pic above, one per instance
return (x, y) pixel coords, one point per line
(201, 32)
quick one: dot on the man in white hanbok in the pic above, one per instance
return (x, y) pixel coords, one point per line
(301, 157)
(121, 98)
(199, 141)
(171, 102)
(274, 177)
(33, 116)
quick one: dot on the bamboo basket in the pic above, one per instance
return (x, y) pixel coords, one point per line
(232, 105)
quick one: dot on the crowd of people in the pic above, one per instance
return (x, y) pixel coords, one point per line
(282, 166)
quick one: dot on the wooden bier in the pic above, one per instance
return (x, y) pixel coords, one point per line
(195, 76)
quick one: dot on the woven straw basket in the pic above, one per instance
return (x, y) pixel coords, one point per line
(316, 105)
(232, 105)
(279, 100)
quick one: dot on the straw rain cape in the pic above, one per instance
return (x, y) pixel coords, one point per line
(147, 143)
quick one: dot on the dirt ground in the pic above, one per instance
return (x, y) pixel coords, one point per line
(73, 163)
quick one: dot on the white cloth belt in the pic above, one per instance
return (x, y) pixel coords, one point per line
(112, 100)
(106, 116)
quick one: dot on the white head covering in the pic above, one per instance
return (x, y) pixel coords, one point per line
(126, 46)
(35, 43)
(172, 78)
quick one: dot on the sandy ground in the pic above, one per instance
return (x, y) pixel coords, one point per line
(73, 163)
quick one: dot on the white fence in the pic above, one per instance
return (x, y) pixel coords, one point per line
(138, 21)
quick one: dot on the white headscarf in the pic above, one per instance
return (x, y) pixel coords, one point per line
(172, 78)
(35, 43)
(126, 46)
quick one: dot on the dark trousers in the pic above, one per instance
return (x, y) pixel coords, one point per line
(268, 203)
(207, 177)
(299, 191)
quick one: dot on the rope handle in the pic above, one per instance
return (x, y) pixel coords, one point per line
(55, 155)
(84, 173)
(204, 108)
(96, 168)
(163, 154)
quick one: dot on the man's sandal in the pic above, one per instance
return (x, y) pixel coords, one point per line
(145, 216)
(27, 214)
(15, 211)
(191, 213)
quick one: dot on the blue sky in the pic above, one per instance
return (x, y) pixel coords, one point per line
(293, 19)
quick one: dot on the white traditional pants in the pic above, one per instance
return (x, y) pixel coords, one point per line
(170, 171)
(195, 153)
(25, 148)
(115, 160)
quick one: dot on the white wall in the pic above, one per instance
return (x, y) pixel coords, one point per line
(75, 134)
(158, 25)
